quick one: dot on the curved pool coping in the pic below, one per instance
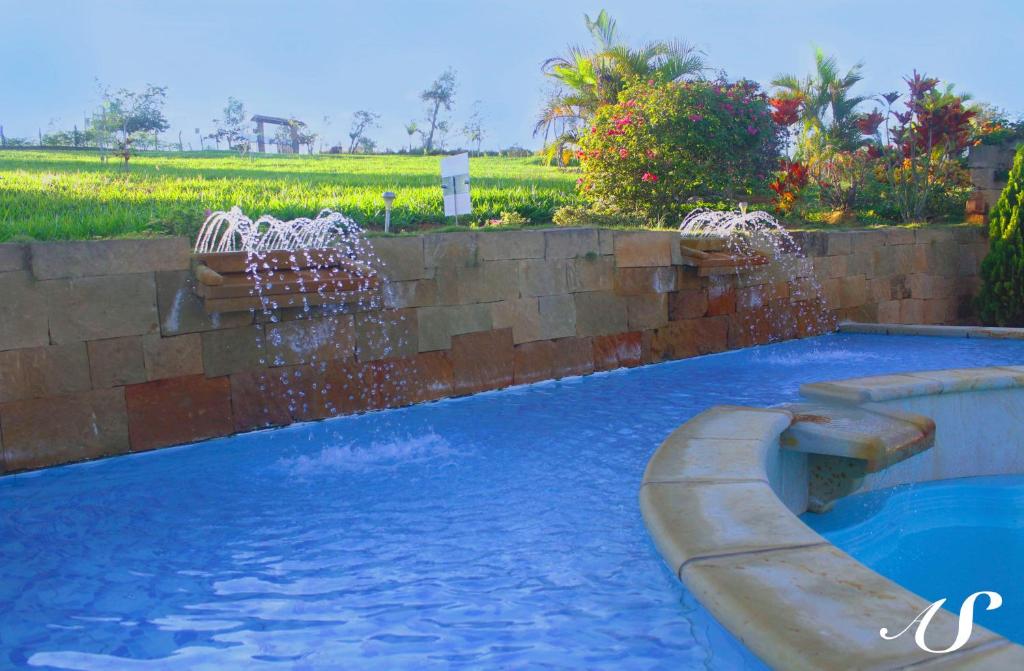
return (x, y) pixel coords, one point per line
(712, 503)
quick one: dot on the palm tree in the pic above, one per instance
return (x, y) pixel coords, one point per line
(411, 129)
(829, 111)
(586, 79)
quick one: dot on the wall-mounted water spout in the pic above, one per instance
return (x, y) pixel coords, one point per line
(716, 242)
(241, 264)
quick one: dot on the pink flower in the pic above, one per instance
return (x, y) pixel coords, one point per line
(752, 130)
(695, 118)
(623, 153)
(649, 177)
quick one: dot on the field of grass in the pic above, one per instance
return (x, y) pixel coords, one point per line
(58, 195)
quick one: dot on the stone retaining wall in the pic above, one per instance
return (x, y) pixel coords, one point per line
(104, 349)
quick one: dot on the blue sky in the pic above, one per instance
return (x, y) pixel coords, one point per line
(316, 58)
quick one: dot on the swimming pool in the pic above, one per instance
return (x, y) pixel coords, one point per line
(500, 530)
(942, 540)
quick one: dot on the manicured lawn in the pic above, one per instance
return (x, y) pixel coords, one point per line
(72, 195)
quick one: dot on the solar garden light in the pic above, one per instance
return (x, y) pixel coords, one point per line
(389, 197)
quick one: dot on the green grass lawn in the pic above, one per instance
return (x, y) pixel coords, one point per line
(58, 195)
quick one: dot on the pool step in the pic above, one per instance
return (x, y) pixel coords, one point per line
(845, 442)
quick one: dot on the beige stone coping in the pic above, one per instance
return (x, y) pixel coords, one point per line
(784, 591)
(932, 330)
(905, 385)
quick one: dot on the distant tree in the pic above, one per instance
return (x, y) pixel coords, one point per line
(366, 146)
(440, 96)
(411, 129)
(132, 117)
(307, 137)
(361, 120)
(473, 131)
(283, 138)
(233, 128)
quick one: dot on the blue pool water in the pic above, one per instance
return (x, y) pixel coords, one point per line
(941, 540)
(497, 531)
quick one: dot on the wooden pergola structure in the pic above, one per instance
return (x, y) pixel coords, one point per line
(292, 124)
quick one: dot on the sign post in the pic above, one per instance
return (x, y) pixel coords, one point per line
(455, 186)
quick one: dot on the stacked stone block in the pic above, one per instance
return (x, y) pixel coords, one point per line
(105, 349)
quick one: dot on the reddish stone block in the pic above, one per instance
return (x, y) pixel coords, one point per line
(534, 361)
(573, 356)
(712, 335)
(351, 386)
(623, 350)
(48, 431)
(813, 319)
(259, 399)
(675, 341)
(605, 357)
(721, 299)
(482, 361)
(178, 410)
(628, 349)
(427, 376)
(687, 304)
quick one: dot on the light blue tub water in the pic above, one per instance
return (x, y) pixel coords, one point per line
(942, 540)
(498, 531)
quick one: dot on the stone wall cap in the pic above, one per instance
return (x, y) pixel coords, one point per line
(92, 258)
(789, 595)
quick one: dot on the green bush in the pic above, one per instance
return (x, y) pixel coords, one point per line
(664, 144)
(1001, 300)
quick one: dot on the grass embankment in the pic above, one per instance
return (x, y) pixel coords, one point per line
(55, 195)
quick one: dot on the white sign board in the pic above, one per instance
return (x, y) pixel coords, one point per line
(455, 185)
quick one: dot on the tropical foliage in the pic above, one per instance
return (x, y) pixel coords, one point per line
(825, 105)
(585, 79)
(663, 144)
(1001, 300)
(922, 144)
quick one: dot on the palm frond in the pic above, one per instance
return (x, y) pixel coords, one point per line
(602, 29)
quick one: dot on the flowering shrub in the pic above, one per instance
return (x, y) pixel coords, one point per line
(788, 185)
(922, 146)
(665, 143)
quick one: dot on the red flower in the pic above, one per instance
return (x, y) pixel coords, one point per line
(649, 177)
(785, 111)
